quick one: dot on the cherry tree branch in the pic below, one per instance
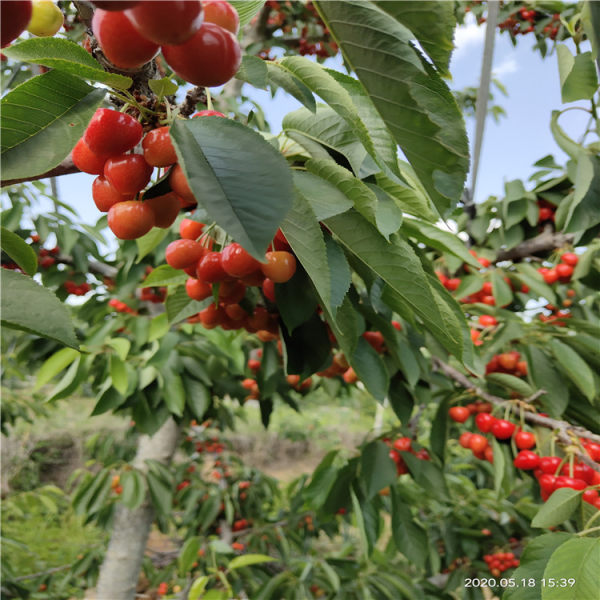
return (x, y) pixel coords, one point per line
(66, 167)
(565, 432)
(542, 243)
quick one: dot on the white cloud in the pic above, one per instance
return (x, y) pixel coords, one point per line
(467, 36)
(506, 67)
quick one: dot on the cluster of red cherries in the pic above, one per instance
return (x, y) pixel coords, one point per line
(507, 362)
(121, 307)
(562, 272)
(226, 274)
(197, 39)
(552, 472)
(500, 561)
(523, 21)
(404, 444)
(76, 289)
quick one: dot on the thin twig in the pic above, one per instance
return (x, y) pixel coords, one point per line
(565, 432)
(66, 167)
(542, 243)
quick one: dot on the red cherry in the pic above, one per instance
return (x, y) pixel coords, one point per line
(237, 262)
(183, 253)
(110, 133)
(459, 414)
(179, 184)
(488, 453)
(268, 288)
(488, 320)
(254, 365)
(526, 460)
(524, 440)
(546, 214)
(484, 262)
(508, 360)
(484, 422)
(211, 315)
(590, 496)
(521, 368)
(231, 292)
(489, 300)
(550, 276)
(130, 220)
(120, 41)
(210, 268)
(477, 443)
(235, 312)
(115, 4)
(165, 209)
(570, 482)
(210, 58)
(564, 272)
(502, 429)
(128, 173)
(85, 160)
(547, 482)
(158, 148)
(464, 439)
(198, 290)
(569, 258)
(105, 195)
(208, 113)
(403, 444)
(375, 340)
(221, 13)
(549, 464)
(190, 230)
(452, 284)
(167, 21)
(14, 18)
(280, 266)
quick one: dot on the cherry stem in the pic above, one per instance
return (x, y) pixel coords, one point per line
(209, 103)
(586, 531)
(591, 520)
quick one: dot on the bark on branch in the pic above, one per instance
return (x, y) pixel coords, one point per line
(565, 432)
(66, 167)
(542, 243)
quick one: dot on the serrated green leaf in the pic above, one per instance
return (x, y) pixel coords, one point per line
(45, 316)
(325, 199)
(118, 374)
(149, 242)
(409, 537)
(575, 367)
(159, 326)
(247, 9)
(188, 554)
(244, 184)
(574, 561)
(254, 71)
(558, 508)
(578, 79)
(121, 346)
(20, 251)
(370, 369)
(162, 87)
(413, 101)
(164, 275)
(377, 469)
(500, 289)
(49, 112)
(67, 57)
(292, 85)
(161, 493)
(174, 393)
(108, 399)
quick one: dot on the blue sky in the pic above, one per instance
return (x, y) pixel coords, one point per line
(510, 147)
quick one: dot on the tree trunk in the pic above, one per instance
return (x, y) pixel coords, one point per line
(121, 567)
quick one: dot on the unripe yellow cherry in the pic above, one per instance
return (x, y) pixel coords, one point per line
(46, 18)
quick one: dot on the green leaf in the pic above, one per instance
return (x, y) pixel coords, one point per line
(164, 275)
(377, 468)
(45, 316)
(546, 377)
(268, 590)
(429, 476)
(254, 71)
(325, 199)
(399, 267)
(247, 560)
(246, 9)
(578, 79)
(318, 80)
(575, 368)
(189, 554)
(439, 430)
(174, 393)
(53, 365)
(198, 586)
(511, 382)
(161, 494)
(67, 57)
(531, 278)
(159, 327)
(500, 289)
(564, 142)
(108, 399)
(121, 346)
(118, 374)
(149, 242)
(179, 305)
(371, 369)
(162, 87)
(410, 197)
(558, 508)
(416, 105)
(533, 562)
(469, 285)
(303, 233)
(443, 241)
(292, 85)
(20, 251)
(578, 560)
(409, 537)
(244, 184)
(360, 525)
(433, 24)
(499, 466)
(197, 396)
(49, 112)
(323, 478)
(134, 489)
